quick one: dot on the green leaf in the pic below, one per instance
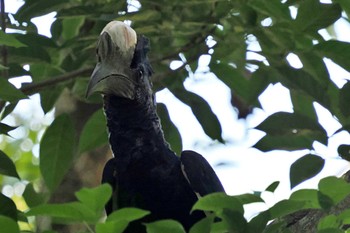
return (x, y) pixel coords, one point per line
(344, 152)
(48, 98)
(334, 188)
(305, 168)
(7, 167)
(117, 226)
(217, 202)
(337, 51)
(10, 40)
(284, 208)
(313, 15)
(304, 139)
(329, 221)
(8, 207)
(33, 198)
(272, 187)
(72, 212)
(165, 226)
(345, 4)
(171, 133)
(235, 220)
(8, 225)
(95, 198)
(10, 93)
(128, 214)
(203, 226)
(57, 151)
(344, 99)
(94, 133)
(310, 197)
(282, 123)
(202, 111)
(248, 198)
(35, 8)
(274, 8)
(71, 26)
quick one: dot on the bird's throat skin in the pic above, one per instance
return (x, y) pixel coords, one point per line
(148, 173)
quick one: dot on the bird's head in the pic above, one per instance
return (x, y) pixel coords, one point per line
(122, 68)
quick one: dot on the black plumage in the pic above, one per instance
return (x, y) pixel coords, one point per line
(144, 173)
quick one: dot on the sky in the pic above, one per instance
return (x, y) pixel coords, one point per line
(248, 169)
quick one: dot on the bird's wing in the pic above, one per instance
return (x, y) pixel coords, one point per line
(109, 176)
(200, 174)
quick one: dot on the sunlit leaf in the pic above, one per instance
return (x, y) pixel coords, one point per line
(165, 226)
(334, 188)
(203, 226)
(305, 168)
(57, 151)
(128, 214)
(117, 226)
(72, 211)
(217, 202)
(95, 198)
(7, 167)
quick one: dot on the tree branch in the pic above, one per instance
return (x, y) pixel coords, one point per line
(32, 88)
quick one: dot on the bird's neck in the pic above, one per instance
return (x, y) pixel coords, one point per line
(133, 126)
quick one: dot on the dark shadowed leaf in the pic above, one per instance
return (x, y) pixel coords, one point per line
(345, 4)
(8, 225)
(344, 99)
(313, 15)
(7, 167)
(305, 168)
(171, 133)
(202, 111)
(32, 197)
(272, 187)
(8, 207)
(48, 98)
(337, 51)
(344, 152)
(34, 8)
(8, 109)
(303, 140)
(165, 226)
(10, 93)
(57, 149)
(94, 133)
(4, 129)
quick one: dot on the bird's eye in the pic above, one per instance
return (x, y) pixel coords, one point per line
(141, 74)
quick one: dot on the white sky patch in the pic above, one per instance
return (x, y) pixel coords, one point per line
(45, 22)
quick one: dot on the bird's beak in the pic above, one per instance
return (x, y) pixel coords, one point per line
(115, 50)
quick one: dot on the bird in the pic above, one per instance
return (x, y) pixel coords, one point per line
(144, 172)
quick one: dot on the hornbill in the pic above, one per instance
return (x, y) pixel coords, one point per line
(144, 173)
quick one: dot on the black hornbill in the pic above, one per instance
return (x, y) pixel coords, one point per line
(144, 172)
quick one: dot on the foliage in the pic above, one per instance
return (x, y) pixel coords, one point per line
(179, 30)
